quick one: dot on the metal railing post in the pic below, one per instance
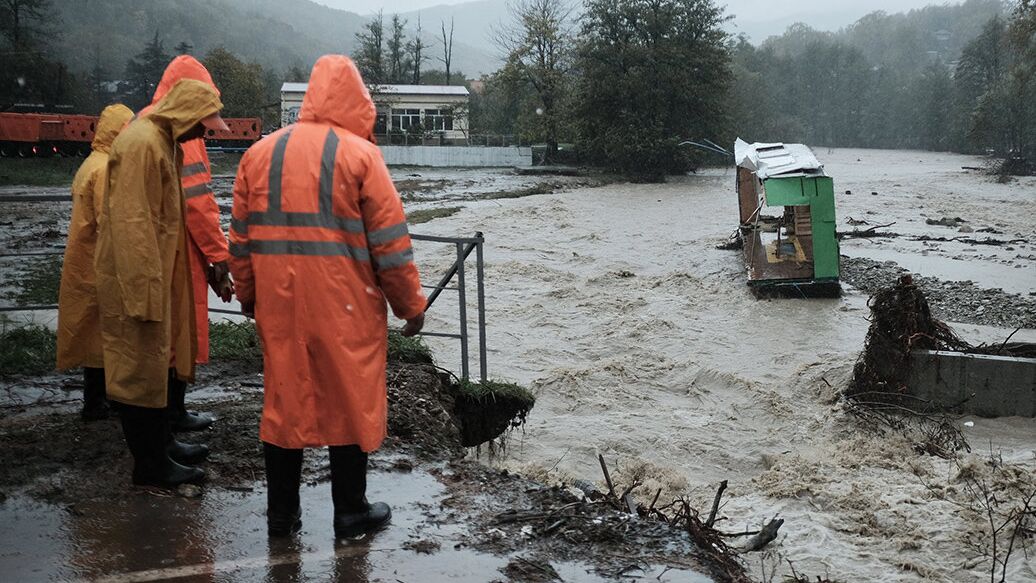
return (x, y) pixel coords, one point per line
(483, 367)
(462, 293)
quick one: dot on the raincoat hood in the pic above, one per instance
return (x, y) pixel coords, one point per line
(112, 120)
(182, 67)
(186, 104)
(337, 96)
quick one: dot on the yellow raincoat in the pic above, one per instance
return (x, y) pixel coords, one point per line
(79, 327)
(143, 275)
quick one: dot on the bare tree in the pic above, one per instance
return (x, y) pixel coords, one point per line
(537, 45)
(415, 48)
(397, 50)
(447, 48)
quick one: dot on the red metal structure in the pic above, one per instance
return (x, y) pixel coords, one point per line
(48, 134)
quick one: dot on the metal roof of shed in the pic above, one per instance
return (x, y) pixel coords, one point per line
(777, 159)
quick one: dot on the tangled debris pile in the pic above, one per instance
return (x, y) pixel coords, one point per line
(901, 321)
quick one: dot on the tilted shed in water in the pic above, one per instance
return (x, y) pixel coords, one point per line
(796, 251)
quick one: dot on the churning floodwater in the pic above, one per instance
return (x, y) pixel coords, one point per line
(643, 343)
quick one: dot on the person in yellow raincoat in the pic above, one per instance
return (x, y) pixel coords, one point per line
(79, 326)
(206, 242)
(143, 278)
(319, 245)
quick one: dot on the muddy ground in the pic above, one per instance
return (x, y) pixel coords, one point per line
(72, 475)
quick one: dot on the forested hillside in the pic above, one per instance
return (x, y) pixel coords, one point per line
(277, 34)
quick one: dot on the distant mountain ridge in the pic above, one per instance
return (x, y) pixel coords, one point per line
(278, 34)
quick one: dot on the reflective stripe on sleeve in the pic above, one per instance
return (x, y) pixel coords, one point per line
(387, 234)
(394, 259)
(239, 226)
(239, 250)
(192, 169)
(197, 190)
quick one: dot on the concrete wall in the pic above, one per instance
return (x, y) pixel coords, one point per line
(977, 384)
(458, 156)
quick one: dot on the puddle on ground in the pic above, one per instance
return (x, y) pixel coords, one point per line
(221, 536)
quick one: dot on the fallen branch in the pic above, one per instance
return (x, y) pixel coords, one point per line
(715, 504)
(764, 536)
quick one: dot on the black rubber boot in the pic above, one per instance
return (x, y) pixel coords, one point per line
(147, 435)
(283, 475)
(95, 400)
(182, 421)
(186, 453)
(353, 514)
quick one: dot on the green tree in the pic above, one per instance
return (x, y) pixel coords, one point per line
(29, 74)
(183, 48)
(369, 51)
(539, 51)
(242, 85)
(144, 71)
(653, 72)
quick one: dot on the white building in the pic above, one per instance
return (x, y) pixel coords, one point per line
(415, 110)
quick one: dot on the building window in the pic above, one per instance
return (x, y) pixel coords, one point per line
(379, 124)
(439, 119)
(404, 119)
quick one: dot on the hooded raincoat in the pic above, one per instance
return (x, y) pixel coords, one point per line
(79, 326)
(319, 241)
(206, 242)
(143, 277)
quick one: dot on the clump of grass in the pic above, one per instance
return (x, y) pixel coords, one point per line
(412, 350)
(541, 188)
(425, 215)
(488, 410)
(53, 171)
(237, 341)
(29, 349)
(40, 283)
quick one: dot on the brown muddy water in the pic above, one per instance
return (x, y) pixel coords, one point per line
(643, 343)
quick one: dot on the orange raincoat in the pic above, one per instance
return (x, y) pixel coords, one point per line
(79, 326)
(143, 276)
(207, 243)
(319, 241)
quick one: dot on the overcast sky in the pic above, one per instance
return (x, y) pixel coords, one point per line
(757, 18)
(851, 9)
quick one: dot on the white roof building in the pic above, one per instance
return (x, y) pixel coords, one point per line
(416, 110)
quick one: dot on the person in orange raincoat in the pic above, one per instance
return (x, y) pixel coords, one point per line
(318, 243)
(206, 241)
(79, 326)
(143, 279)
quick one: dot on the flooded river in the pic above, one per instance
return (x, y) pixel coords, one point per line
(643, 344)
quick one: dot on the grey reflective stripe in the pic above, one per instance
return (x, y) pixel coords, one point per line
(276, 168)
(239, 250)
(239, 226)
(306, 220)
(394, 259)
(321, 248)
(197, 190)
(327, 171)
(387, 234)
(192, 169)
